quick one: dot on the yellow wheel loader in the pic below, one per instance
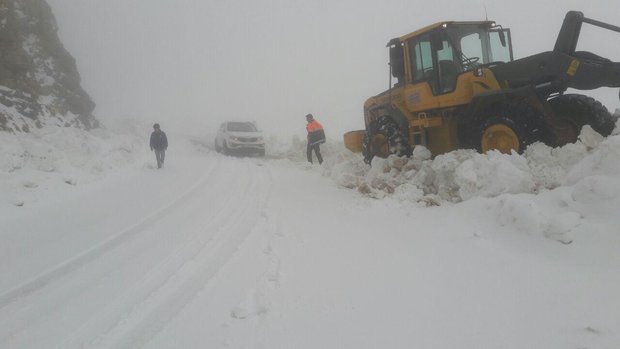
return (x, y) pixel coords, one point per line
(457, 86)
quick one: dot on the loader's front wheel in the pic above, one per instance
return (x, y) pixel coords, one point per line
(383, 139)
(366, 148)
(573, 111)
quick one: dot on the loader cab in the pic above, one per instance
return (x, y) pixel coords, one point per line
(438, 54)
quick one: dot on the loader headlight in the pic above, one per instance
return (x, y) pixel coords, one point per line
(478, 72)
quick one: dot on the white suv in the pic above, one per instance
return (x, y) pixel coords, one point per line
(237, 137)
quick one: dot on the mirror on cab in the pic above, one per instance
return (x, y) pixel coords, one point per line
(397, 63)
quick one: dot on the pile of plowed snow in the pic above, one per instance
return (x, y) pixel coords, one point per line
(464, 174)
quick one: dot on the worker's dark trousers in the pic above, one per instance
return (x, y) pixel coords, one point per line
(317, 151)
(160, 154)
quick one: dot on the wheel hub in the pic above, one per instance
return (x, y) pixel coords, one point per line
(500, 137)
(566, 131)
(380, 146)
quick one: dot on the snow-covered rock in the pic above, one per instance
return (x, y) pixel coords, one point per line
(39, 81)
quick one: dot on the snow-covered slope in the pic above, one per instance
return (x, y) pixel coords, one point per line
(101, 250)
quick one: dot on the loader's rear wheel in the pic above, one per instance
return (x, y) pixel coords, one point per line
(383, 139)
(573, 111)
(513, 126)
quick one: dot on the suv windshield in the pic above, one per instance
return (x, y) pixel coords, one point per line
(241, 127)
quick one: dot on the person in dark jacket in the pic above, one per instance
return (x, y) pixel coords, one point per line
(316, 136)
(159, 144)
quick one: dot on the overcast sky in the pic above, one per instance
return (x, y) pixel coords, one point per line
(193, 63)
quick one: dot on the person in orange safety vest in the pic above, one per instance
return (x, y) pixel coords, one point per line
(316, 136)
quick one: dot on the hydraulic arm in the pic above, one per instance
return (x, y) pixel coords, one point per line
(564, 67)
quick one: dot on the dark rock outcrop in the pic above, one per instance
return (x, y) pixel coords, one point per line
(39, 81)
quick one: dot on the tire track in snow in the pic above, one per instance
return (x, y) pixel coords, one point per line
(165, 274)
(156, 311)
(28, 318)
(79, 260)
(35, 312)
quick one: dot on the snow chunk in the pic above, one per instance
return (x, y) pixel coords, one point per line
(520, 212)
(590, 138)
(560, 227)
(253, 305)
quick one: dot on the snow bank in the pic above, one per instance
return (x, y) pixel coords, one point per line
(54, 158)
(465, 174)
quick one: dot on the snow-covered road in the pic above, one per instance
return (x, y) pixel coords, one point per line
(132, 252)
(220, 252)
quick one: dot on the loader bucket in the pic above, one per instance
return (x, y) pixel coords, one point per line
(353, 140)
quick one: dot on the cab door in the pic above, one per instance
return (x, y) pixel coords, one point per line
(434, 70)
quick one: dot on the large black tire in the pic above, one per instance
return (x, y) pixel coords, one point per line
(510, 126)
(573, 111)
(217, 147)
(384, 138)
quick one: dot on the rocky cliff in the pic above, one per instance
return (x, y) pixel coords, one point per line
(39, 81)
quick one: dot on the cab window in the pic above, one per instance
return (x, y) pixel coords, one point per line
(499, 52)
(471, 46)
(449, 68)
(423, 59)
(434, 63)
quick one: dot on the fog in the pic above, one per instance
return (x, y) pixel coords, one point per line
(190, 64)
